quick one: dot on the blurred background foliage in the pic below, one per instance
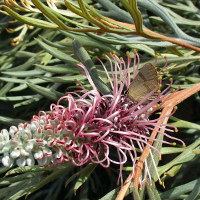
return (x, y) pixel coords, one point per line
(38, 65)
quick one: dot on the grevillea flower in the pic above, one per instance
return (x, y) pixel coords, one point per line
(90, 126)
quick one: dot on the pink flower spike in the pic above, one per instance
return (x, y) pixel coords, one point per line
(92, 125)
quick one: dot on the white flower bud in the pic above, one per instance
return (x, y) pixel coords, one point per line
(6, 148)
(50, 140)
(24, 152)
(7, 161)
(30, 161)
(21, 127)
(47, 152)
(54, 122)
(21, 162)
(38, 155)
(4, 135)
(15, 154)
(49, 132)
(26, 134)
(53, 160)
(43, 161)
(2, 144)
(42, 121)
(34, 126)
(29, 146)
(12, 130)
(58, 154)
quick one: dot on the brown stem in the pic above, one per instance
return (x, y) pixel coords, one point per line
(150, 34)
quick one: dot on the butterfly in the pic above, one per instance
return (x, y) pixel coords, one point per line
(145, 81)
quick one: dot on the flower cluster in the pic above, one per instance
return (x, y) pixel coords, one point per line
(89, 126)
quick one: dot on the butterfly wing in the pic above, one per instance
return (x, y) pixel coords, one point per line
(145, 81)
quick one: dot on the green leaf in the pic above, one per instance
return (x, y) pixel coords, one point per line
(185, 156)
(55, 174)
(84, 175)
(10, 121)
(71, 178)
(184, 124)
(179, 20)
(46, 59)
(19, 189)
(170, 150)
(154, 7)
(19, 88)
(196, 151)
(152, 192)
(16, 98)
(24, 54)
(173, 60)
(5, 89)
(181, 7)
(25, 66)
(131, 6)
(86, 60)
(193, 79)
(57, 53)
(21, 177)
(20, 170)
(90, 14)
(35, 98)
(22, 74)
(86, 41)
(195, 192)
(29, 20)
(24, 85)
(50, 14)
(46, 92)
(111, 195)
(172, 172)
(60, 69)
(65, 79)
(3, 169)
(142, 47)
(174, 193)
(12, 80)
(12, 190)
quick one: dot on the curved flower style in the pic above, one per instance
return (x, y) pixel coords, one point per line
(90, 127)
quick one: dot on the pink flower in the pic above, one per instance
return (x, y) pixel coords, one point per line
(90, 126)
